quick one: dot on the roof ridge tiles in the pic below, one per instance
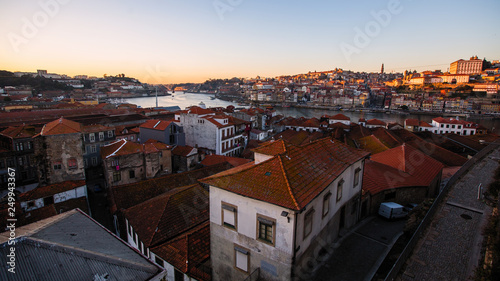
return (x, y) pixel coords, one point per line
(288, 182)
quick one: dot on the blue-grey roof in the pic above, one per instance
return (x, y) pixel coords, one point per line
(72, 246)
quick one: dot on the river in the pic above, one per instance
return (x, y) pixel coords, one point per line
(184, 100)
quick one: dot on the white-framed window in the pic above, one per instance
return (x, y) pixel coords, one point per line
(356, 176)
(326, 203)
(92, 137)
(308, 222)
(229, 216)
(101, 136)
(94, 161)
(266, 231)
(241, 259)
(340, 185)
(93, 149)
(110, 134)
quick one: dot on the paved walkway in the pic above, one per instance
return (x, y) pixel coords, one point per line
(450, 247)
(358, 255)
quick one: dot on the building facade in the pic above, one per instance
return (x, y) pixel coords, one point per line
(275, 214)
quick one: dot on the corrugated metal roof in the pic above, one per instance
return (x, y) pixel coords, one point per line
(73, 247)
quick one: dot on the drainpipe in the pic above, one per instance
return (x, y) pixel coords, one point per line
(292, 275)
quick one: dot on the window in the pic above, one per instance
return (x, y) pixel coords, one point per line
(178, 276)
(57, 166)
(48, 200)
(101, 136)
(31, 204)
(339, 189)
(326, 203)
(93, 149)
(131, 174)
(229, 216)
(92, 137)
(447, 126)
(94, 161)
(453, 126)
(72, 164)
(117, 176)
(459, 127)
(30, 145)
(241, 259)
(20, 161)
(130, 231)
(265, 229)
(159, 261)
(110, 134)
(356, 176)
(10, 162)
(308, 221)
(115, 163)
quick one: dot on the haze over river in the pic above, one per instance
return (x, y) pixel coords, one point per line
(184, 100)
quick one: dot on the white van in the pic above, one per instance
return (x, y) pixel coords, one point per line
(391, 210)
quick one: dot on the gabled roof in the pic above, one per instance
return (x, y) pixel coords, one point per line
(198, 110)
(410, 160)
(19, 132)
(217, 159)
(387, 137)
(272, 147)
(162, 218)
(188, 251)
(49, 190)
(126, 196)
(184, 150)
(120, 147)
(61, 126)
(448, 120)
(154, 124)
(375, 122)
(372, 144)
(412, 122)
(96, 128)
(72, 246)
(291, 179)
(340, 116)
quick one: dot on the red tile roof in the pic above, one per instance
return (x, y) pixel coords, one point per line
(340, 116)
(162, 218)
(412, 122)
(19, 132)
(154, 124)
(49, 190)
(126, 196)
(291, 179)
(272, 147)
(120, 147)
(410, 160)
(217, 159)
(372, 144)
(96, 128)
(187, 251)
(198, 110)
(387, 137)
(375, 122)
(61, 126)
(448, 120)
(183, 150)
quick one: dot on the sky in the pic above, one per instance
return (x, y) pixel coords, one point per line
(167, 41)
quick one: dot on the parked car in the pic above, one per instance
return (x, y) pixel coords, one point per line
(391, 210)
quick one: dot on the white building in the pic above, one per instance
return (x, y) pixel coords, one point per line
(53, 194)
(442, 125)
(204, 129)
(274, 215)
